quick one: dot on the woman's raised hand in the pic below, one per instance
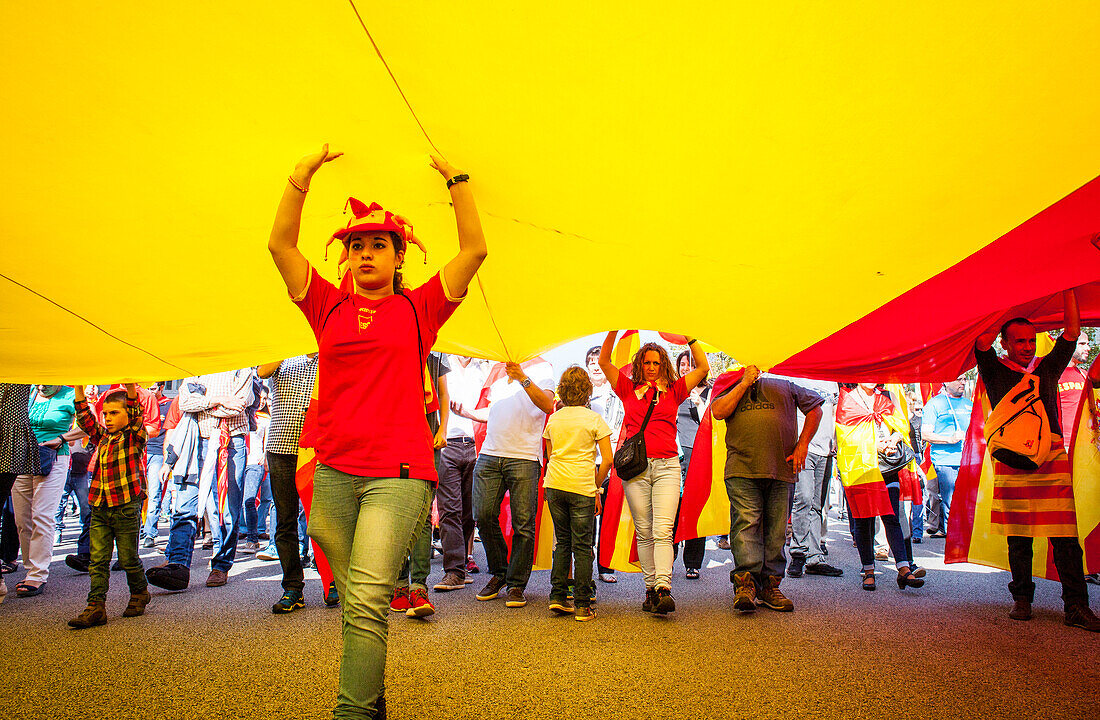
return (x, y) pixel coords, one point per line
(445, 169)
(312, 163)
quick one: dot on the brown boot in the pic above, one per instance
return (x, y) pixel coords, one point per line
(137, 604)
(1079, 615)
(771, 597)
(1021, 610)
(94, 614)
(744, 598)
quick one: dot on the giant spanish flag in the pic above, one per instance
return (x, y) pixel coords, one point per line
(971, 536)
(832, 136)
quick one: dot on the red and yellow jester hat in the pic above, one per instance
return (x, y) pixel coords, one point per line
(372, 218)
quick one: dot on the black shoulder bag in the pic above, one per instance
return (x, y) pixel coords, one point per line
(630, 459)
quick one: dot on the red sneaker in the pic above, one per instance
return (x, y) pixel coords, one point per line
(400, 601)
(419, 604)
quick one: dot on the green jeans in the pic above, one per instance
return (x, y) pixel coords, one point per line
(365, 527)
(109, 527)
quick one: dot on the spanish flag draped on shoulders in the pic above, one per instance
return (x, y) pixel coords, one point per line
(857, 450)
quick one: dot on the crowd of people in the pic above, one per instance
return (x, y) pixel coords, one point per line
(388, 430)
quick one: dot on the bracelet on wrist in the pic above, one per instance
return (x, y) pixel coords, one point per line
(457, 179)
(297, 187)
(691, 342)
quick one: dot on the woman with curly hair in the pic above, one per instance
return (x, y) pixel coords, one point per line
(654, 389)
(573, 434)
(376, 468)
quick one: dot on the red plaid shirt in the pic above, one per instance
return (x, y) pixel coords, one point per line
(119, 474)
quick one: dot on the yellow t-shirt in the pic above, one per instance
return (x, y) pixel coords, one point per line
(573, 433)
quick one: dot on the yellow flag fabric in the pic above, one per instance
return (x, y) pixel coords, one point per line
(636, 166)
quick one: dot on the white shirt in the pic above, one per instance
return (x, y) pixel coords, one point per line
(515, 423)
(463, 386)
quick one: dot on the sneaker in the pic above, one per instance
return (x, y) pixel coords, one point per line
(400, 600)
(515, 598)
(217, 578)
(419, 604)
(137, 604)
(264, 536)
(562, 607)
(723, 543)
(78, 562)
(1094, 578)
(584, 614)
(882, 552)
(94, 614)
(116, 566)
(208, 542)
(331, 596)
(149, 542)
(170, 576)
(650, 603)
(1079, 615)
(916, 540)
(249, 547)
(665, 603)
(820, 568)
(824, 549)
(471, 566)
(795, 568)
(491, 589)
(771, 597)
(744, 598)
(451, 581)
(290, 601)
(268, 553)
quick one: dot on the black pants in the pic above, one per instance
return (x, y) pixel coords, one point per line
(9, 533)
(599, 535)
(284, 492)
(863, 532)
(1067, 560)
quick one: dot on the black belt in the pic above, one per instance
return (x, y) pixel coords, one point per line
(464, 440)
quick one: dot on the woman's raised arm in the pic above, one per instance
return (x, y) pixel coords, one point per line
(283, 242)
(609, 370)
(460, 271)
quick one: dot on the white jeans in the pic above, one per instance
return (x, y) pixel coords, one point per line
(35, 499)
(653, 498)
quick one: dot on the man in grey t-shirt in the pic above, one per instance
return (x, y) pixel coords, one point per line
(764, 452)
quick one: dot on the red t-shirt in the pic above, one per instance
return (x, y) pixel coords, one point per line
(660, 433)
(1071, 386)
(370, 391)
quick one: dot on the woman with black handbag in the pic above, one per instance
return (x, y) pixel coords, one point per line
(647, 461)
(871, 455)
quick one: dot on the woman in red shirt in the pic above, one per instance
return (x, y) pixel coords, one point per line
(375, 466)
(654, 496)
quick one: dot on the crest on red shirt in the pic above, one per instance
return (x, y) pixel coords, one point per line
(366, 317)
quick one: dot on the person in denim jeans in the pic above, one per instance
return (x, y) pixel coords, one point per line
(764, 454)
(654, 495)
(510, 461)
(375, 466)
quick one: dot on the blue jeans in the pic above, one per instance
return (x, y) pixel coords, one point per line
(948, 475)
(365, 527)
(77, 484)
(256, 482)
(574, 527)
(181, 538)
(758, 525)
(158, 495)
(493, 476)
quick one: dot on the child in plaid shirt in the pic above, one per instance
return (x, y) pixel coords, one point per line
(116, 495)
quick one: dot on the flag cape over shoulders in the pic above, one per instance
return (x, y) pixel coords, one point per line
(705, 507)
(857, 455)
(971, 536)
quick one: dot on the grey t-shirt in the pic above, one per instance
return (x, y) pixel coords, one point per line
(762, 431)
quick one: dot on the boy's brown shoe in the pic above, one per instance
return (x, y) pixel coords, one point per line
(137, 604)
(1079, 615)
(94, 614)
(771, 597)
